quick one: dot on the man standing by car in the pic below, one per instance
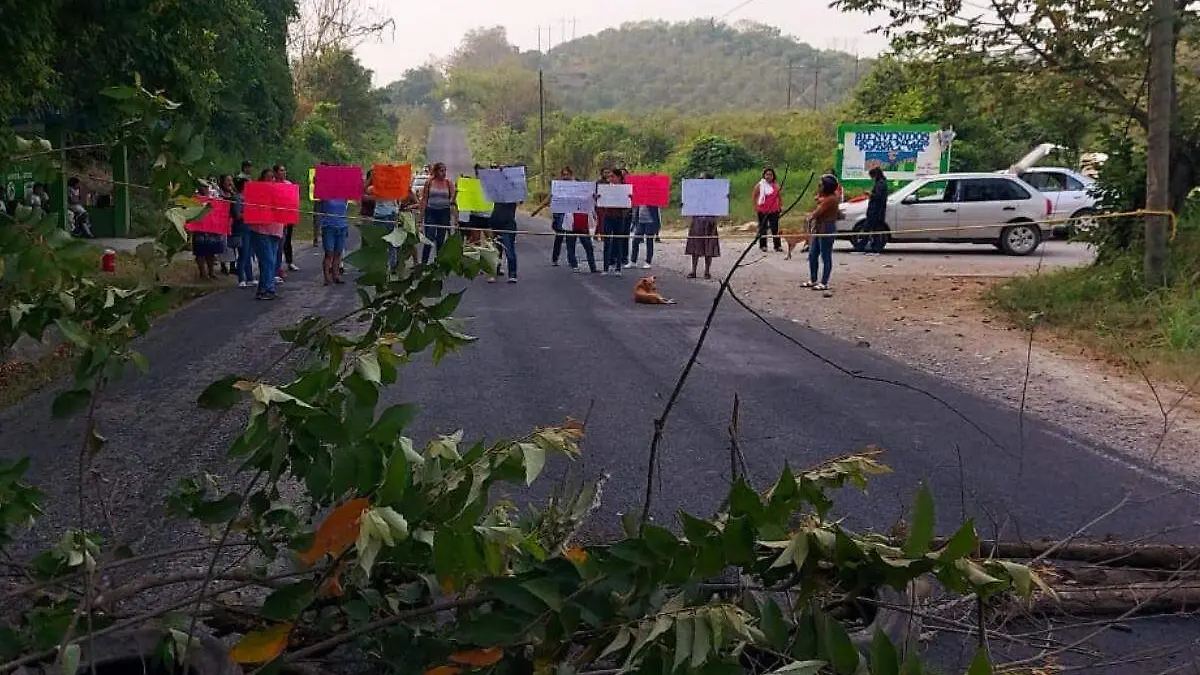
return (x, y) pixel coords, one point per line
(877, 211)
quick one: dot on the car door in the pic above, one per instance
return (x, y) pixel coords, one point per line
(987, 204)
(930, 212)
(1060, 188)
(1073, 197)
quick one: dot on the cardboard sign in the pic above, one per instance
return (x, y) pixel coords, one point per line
(271, 203)
(471, 198)
(258, 199)
(312, 184)
(216, 220)
(650, 189)
(572, 196)
(338, 182)
(391, 181)
(706, 197)
(614, 196)
(504, 186)
(286, 202)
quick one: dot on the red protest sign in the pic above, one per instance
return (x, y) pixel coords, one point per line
(259, 200)
(391, 181)
(268, 203)
(338, 182)
(650, 189)
(286, 202)
(216, 220)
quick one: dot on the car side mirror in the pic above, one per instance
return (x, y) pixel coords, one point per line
(909, 200)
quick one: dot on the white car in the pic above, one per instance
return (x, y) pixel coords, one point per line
(977, 208)
(418, 184)
(1069, 192)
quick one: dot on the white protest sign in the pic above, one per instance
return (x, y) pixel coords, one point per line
(572, 196)
(706, 197)
(616, 196)
(503, 186)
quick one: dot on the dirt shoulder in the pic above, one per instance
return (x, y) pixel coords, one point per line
(924, 305)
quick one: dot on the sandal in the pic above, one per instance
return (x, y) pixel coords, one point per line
(808, 284)
(820, 287)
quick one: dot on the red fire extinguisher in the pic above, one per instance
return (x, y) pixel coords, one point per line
(108, 262)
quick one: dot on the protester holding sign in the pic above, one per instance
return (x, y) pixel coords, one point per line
(437, 204)
(289, 228)
(647, 221)
(614, 221)
(334, 233)
(702, 241)
(768, 204)
(267, 235)
(504, 224)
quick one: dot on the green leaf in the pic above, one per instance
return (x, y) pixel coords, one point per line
(287, 602)
(961, 545)
(1021, 576)
(395, 483)
(220, 511)
(799, 668)
(920, 534)
(368, 367)
(393, 421)
(701, 641)
(981, 664)
(195, 150)
(70, 659)
(838, 645)
(534, 459)
(912, 664)
(884, 660)
(546, 591)
(491, 629)
(620, 642)
(73, 332)
(70, 402)
(139, 359)
(773, 625)
(221, 394)
(683, 640)
(446, 306)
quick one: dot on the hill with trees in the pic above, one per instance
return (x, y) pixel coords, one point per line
(699, 66)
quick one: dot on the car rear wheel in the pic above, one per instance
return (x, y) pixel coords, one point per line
(1084, 220)
(859, 241)
(1020, 238)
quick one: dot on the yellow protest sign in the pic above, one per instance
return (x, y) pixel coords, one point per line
(471, 198)
(312, 179)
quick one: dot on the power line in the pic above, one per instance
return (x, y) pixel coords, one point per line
(739, 6)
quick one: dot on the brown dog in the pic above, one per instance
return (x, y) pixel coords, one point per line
(646, 293)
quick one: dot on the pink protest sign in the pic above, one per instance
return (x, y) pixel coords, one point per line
(338, 182)
(216, 220)
(650, 189)
(259, 199)
(286, 200)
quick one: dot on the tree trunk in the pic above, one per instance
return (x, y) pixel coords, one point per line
(1146, 598)
(1158, 142)
(1164, 556)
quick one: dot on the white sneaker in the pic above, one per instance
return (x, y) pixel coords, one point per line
(293, 268)
(512, 280)
(279, 280)
(604, 273)
(617, 273)
(645, 266)
(242, 284)
(577, 270)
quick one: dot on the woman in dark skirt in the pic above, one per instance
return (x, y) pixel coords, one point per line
(206, 246)
(702, 242)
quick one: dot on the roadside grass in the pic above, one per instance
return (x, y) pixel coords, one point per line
(1104, 308)
(177, 281)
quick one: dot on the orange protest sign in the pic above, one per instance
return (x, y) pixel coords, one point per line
(391, 181)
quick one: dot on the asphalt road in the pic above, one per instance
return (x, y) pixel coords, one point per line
(557, 344)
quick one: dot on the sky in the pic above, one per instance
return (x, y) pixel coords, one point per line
(429, 29)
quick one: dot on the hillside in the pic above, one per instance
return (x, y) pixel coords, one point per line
(696, 67)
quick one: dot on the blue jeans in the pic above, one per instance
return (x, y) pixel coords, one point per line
(647, 232)
(245, 259)
(266, 249)
(437, 228)
(586, 240)
(508, 240)
(821, 251)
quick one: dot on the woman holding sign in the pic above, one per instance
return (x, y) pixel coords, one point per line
(615, 223)
(437, 202)
(702, 241)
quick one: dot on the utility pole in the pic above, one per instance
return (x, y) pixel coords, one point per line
(542, 125)
(791, 65)
(1160, 109)
(816, 81)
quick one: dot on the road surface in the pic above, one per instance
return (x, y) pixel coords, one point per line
(559, 344)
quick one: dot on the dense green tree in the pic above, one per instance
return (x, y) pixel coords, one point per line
(338, 79)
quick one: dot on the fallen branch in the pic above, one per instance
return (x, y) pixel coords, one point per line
(1155, 597)
(1156, 556)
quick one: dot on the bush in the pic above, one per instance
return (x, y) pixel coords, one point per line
(718, 156)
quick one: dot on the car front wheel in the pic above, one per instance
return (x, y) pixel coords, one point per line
(1020, 238)
(863, 237)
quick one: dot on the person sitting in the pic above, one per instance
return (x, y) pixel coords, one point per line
(81, 227)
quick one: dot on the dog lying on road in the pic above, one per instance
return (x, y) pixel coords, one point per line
(646, 293)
